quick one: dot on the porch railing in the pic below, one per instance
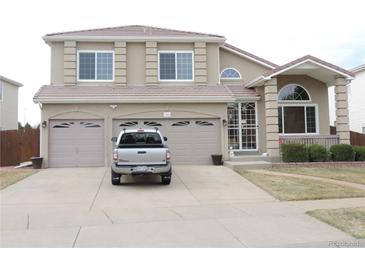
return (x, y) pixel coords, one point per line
(324, 140)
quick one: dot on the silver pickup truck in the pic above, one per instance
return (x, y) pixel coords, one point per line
(141, 152)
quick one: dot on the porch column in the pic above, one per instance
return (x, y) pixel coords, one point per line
(342, 111)
(271, 118)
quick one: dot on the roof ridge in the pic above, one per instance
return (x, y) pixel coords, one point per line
(128, 26)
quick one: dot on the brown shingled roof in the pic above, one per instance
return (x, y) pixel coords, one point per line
(308, 57)
(134, 30)
(168, 93)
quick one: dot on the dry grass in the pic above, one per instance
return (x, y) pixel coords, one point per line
(293, 189)
(348, 174)
(350, 220)
(9, 177)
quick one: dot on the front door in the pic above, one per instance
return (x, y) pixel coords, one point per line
(242, 126)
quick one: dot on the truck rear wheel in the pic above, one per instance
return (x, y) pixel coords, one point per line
(166, 180)
(115, 177)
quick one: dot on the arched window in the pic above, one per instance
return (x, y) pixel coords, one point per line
(293, 92)
(230, 73)
(296, 113)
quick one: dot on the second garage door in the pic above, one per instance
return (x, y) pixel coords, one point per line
(191, 141)
(76, 143)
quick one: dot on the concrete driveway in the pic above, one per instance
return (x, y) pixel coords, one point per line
(205, 206)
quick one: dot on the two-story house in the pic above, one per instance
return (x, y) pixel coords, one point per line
(207, 96)
(8, 103)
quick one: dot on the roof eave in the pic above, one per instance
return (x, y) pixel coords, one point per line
(15, 83)
(346, 75)
(257, 81)
(86, 38)
(72, 100)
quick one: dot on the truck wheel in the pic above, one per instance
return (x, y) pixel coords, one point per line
(166, 180)
(115, 178)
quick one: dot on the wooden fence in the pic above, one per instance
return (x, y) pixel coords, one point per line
(356, 138)
(17, 146)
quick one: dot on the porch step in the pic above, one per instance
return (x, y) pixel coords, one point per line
(249, 158)
(248, 164)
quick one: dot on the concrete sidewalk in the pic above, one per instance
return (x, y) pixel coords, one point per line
(205, 206)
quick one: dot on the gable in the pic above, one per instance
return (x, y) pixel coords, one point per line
(247, 68)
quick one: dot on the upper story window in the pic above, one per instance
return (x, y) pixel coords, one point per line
(293, 92)
(230, 73)
(176, 66)
(95, 65)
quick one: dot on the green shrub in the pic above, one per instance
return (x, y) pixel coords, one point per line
(359, 153)
(294, 153)
(317, 153)
(342, 152)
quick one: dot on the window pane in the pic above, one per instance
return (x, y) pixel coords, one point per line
(104, 66)
(184, 66)
(167, 66)
(248, 138)
(311, 119)
(294, 120)
(233, 138)
(230, 73)
(232, 112)
(87, 66)
(293, 92)
(280, 119)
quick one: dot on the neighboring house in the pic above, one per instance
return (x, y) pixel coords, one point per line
(357, 100)
(206, 96)
(8, 103)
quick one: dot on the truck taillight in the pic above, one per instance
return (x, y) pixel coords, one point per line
(168, 156)
(115, 155)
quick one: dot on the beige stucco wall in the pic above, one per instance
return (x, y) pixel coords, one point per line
(217, 59)
(9, 106)
(129, 111)
(249, 70)
(175, 46)
(213, 63)
(135, 63)
(57, 63)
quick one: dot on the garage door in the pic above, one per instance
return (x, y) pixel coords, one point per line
(76, 143)
(191, 141)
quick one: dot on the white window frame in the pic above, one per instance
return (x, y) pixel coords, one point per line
(95, 52)
(305, 119)
(240, 127)
(296, 101)
(229, 78)
(175, 52)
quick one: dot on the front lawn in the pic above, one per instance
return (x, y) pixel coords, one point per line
(292, 189)
(349, 174)
(9, 177)
(350, 220)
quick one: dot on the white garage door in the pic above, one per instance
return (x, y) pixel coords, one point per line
(191, 141)
(76, 143)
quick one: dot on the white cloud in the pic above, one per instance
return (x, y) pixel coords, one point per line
(277, 30)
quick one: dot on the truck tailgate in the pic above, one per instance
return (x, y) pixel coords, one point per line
(142, 156)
